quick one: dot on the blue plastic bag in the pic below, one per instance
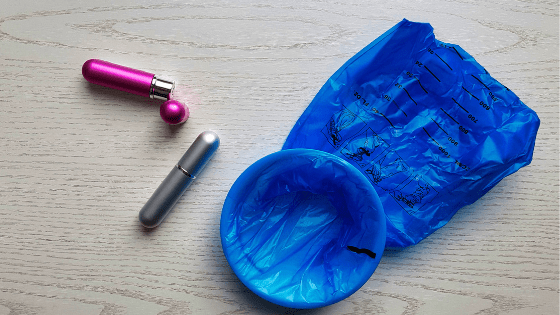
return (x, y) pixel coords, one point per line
(427, 125)
(303, 228)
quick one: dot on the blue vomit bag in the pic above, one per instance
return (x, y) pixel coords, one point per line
(303, 228)
(424, 122)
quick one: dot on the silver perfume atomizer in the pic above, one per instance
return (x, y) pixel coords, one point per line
(181, 176)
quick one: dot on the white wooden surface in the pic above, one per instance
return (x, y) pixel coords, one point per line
(77, 162)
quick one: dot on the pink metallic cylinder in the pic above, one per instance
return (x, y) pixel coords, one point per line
(127, 79)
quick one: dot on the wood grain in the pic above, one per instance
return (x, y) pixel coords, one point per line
(78, 161)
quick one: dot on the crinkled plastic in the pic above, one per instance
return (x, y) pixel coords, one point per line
(303, 228)
(424, 122)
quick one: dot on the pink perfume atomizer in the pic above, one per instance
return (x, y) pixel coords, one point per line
(137, 82)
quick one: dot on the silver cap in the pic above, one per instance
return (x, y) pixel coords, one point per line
(199, 153)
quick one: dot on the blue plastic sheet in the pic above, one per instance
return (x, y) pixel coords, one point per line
(303, 228)
(424, 122)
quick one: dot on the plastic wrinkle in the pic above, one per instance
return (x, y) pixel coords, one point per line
(424, 122)
(287, 223)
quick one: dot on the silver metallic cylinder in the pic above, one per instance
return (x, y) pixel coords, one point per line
(161, 88)
(181, 176)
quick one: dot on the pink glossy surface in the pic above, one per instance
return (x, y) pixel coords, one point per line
(117, 77)
(174, 112)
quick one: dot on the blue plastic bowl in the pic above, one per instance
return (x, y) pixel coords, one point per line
(303, 228)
